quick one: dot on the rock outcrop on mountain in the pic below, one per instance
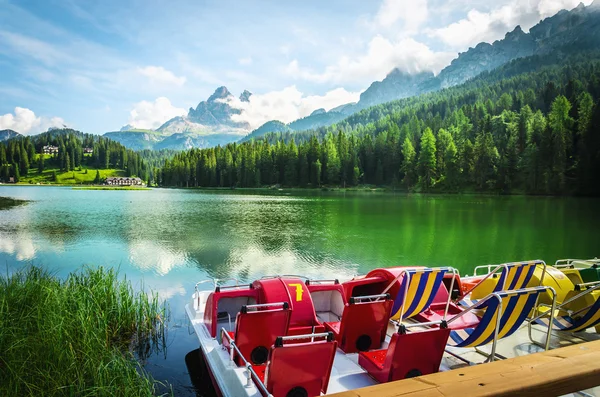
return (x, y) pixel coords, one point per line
(215, 111)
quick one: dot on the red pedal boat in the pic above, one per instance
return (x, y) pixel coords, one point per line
(288, 336)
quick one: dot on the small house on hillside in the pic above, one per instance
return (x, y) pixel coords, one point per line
(49, 149)
(88, 150)
(124, 181)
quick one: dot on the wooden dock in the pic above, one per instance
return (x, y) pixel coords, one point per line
(551, 373)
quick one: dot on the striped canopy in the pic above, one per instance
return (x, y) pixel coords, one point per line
(423, 284)
(584, 320)
(515, 307)
(516, 275)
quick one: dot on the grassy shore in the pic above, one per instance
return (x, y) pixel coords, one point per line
(76, 177)
(75, 337)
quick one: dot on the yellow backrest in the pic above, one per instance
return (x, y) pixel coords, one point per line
(553, 278)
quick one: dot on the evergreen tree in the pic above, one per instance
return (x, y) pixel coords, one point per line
(40, 163)
(97, 178)
(317, 173)
(486, 160)
(560, 124)
(427, 160)
(409, 163)
(67, 163)
(17, 173)
(24, 163)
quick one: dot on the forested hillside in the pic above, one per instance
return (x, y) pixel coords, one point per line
(24, 156)
(525, 127)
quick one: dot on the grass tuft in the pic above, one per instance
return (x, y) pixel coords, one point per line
(75, 337)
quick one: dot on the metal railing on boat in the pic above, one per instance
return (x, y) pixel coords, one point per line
(250, 371)
(251, 374)
(571, 263)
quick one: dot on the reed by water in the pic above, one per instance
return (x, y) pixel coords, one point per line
(77, 336)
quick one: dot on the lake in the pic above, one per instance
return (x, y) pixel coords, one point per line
(167, 239)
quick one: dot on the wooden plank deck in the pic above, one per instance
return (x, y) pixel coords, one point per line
(551, 373)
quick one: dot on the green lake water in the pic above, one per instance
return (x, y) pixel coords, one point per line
(169, 239)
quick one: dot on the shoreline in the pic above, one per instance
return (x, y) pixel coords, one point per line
(263, 189)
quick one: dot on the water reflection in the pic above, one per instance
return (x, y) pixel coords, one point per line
(169, 239)
(17, 244)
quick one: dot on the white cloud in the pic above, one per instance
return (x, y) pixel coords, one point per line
(287, 105)
(489, 26)
(382, 56)
(245, 61)
(160, 75)
(151, 115)
(25, 121)
(412, 12)
(285, 49)
(547, 8)
(148, 256)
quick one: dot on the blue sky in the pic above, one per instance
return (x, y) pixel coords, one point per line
(98, 65)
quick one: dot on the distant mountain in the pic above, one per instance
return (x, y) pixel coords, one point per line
(269, 126)
(209, 124)
(5, 135)
(575, 30)
(396, 85)
(318, 118)
(135, 139)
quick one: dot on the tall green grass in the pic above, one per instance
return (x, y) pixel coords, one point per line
(76, 337)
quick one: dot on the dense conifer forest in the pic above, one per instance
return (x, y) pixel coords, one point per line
(531, 126)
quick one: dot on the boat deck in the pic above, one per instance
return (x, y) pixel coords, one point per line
(551, 373)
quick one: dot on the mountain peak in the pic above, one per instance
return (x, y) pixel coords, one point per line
(318, 111)
(515, 34)
(220, 93)
(127, 127)
(245, 96)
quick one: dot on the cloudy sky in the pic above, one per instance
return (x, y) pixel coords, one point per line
(98, 65)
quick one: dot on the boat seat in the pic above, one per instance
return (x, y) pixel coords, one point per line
(363, 325)
(328, 300)
(589, 275)
(256, 331)
(408, 355)
(300, 369)
(328, 317)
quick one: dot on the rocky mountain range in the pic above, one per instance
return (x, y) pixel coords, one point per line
(213, 122)
(575, 30)
(209, 124)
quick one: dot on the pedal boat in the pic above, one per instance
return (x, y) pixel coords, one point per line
(289, 336)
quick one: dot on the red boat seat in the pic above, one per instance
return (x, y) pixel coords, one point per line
(223, 306)
(408, 355)
(256, 331)
(363, 325)
(294, 291)
(328, 300)
(300, 369)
